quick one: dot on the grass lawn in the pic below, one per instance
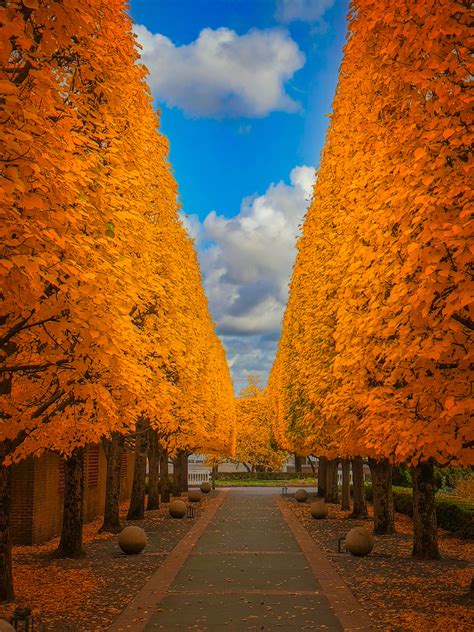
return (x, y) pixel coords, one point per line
(262, 483)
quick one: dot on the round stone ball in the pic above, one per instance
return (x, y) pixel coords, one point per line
(205, 488)
(132, 540)
(177, 509)
(301, 495)
(5, 626)
(194, 496)
(319, 509)
(359, 541)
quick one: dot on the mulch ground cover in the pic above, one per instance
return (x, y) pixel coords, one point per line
(398, 592)
(87, 594)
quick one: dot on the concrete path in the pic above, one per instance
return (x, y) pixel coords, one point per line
(246, 572)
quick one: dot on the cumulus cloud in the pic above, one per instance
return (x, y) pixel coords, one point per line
(301, 10)
(249, 356)
(223, 74)
(246, 261)
(193, 226)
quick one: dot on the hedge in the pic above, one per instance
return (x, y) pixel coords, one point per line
(453, 514)
(262, 476)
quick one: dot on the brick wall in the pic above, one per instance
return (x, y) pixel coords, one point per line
(47, 507)
(38, 493)
(22, 501)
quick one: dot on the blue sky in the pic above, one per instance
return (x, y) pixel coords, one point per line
(244, 88)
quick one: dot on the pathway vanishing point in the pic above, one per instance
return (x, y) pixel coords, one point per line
(247, 564)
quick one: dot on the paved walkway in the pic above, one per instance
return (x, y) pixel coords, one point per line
(247, 570)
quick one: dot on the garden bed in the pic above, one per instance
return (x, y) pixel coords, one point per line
(266, 476)
(88, 594)
(398, 592)
(453, 514)
(266, 483)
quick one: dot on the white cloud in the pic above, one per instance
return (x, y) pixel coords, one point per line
(303, 10)
(258, 243)
(249, 355)
(223, 74)
(192, 225)
(246, 262)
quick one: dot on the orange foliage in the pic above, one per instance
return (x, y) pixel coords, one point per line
(103, 313)
(374, 357)
(255, 443)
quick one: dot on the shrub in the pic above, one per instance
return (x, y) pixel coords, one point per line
(368, 492)
(401, 476)
(465, 487)
(453, 514)
(447, 478)
(262, 476)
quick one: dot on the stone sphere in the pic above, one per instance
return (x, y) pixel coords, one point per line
(194, 496)
(319, 509)
(301, 495)
(177, 509)
(359, 541)
(5, 626)
(132, 540)
(205, 488)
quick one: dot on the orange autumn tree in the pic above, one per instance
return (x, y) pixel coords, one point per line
(188, 392)
(70, 239)
(255, 444)
(67, 225)
(84, 241)
(412, 320)
(199, 416)
(390, 208)
(301, 377)
(186, 358)
(218, 428)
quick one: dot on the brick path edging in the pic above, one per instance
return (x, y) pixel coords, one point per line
(145, 603)
(346, 607)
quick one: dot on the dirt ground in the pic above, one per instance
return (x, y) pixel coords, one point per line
(398, 592)
(87, 594)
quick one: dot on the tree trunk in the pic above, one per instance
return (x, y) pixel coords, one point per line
(153, 501)
(6, 576)
(246, 465)
(346, 485)
(214, 475)
(183, 470)
(136, 510)
(297, 463)
(384, 519)
(312, 466)
(425, 538)
(164, 477)
(176, 479)
(322, 469)
(332, 493)
(359, 508)
(70, 544)
(113, 449)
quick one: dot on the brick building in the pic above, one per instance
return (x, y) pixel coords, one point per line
(38, 492)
